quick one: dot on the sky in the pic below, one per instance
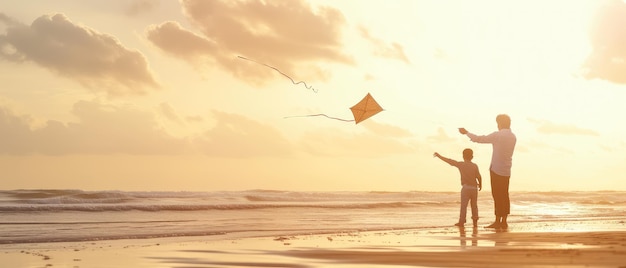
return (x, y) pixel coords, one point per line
(153, 95)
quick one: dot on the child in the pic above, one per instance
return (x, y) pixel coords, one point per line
(471, 181)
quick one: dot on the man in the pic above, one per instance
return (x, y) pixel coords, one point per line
(503, 143)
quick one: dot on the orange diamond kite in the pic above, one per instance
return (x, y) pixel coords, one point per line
(365, 109)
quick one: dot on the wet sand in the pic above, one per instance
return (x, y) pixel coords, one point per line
(548, 245)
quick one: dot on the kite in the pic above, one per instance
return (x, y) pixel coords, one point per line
(365, 109)
(285, 75)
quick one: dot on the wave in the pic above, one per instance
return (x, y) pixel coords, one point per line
(53, 239)
(207, 207)
(92, 222)
(108, 197)
(577, 197)
(79, 200)
(65, 196)
(31, 194)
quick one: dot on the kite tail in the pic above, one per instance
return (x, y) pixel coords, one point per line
(311, 115)
(285, 75)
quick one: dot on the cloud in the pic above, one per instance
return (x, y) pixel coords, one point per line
(168, 112)
(100, 129)
(108, 129)
(141, 6)
(613, 146)
(533, 145)
(17, 136)
(194, 119)
(441, 136)
(283, 34)
(386, 129)
(334, 143)
(440, 54)
(171, 37)
(608, 39)
(382, 49)
(7, 20)
(96, 60)
(547, 127)
(239, 137)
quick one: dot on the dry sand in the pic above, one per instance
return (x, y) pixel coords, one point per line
(436, 247)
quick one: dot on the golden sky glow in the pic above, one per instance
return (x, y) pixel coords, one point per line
(150, 95)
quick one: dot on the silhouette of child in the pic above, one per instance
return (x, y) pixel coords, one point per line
(471, 182)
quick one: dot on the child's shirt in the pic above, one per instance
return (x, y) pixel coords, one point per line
(469, 172)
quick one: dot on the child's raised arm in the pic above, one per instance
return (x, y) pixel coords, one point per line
(445, 159)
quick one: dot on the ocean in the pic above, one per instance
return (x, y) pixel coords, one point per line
(46, 216)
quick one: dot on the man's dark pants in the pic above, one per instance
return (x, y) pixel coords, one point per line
(500, 193)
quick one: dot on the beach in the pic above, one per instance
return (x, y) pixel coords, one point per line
(532, 246)
(261, 228)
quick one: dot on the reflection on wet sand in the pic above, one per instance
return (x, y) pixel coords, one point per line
(463, 237)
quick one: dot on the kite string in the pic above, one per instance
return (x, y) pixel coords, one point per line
(285, 75)
(311, 115)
